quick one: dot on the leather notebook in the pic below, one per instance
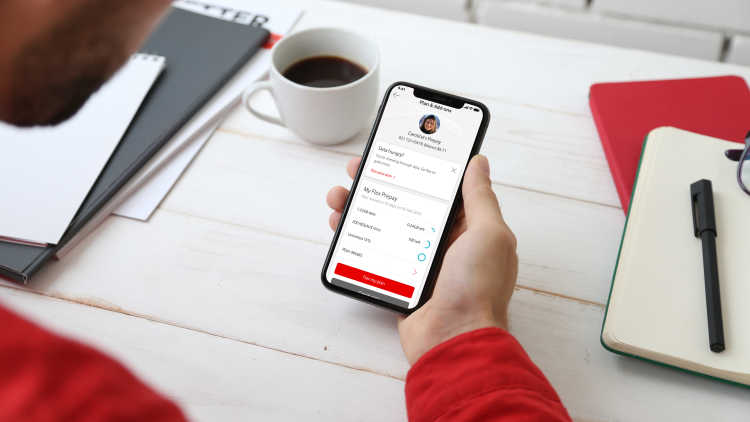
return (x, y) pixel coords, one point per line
(625, 112)
(657, 304)
(202, 53)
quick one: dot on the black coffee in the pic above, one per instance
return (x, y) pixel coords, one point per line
(324, 71)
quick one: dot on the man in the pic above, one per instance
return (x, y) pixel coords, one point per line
(55, 54)
(465, 364)
(466, 367)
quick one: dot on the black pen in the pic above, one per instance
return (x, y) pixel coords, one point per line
(704, 225)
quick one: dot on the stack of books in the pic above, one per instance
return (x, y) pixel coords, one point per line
(67, 179)
(666, 303)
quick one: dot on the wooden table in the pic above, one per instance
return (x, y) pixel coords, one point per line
(217, 300)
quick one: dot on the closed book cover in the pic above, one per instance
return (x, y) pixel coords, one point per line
(657, 303)
(625, 112)
(202, 53)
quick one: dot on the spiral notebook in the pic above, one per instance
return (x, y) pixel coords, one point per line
(657, 304)
(203, 54)
(47, 171)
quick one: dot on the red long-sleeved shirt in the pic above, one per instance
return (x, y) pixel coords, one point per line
(482, 375)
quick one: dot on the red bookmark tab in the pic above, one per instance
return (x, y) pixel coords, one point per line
(272, 40)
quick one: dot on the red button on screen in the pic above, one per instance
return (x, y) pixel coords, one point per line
(374, 280)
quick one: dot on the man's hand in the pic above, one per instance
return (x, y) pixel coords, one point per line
(478, 273)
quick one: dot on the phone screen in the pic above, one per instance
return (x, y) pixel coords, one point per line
(402, 201)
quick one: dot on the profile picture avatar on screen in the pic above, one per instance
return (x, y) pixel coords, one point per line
(429, 124)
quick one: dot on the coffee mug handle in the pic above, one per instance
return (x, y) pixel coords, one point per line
(248, 95)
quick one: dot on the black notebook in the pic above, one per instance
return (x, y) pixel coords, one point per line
(202, 54)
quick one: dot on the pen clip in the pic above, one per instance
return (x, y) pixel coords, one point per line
(693, 205)
(702, 197)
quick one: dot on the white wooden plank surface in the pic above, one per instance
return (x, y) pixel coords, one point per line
(231, 280)
(528, 78)
(562, 156)
(237, 247)
(261, 299)
(257, 183)
(215, 379)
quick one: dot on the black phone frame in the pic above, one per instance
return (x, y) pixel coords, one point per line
(443, 98)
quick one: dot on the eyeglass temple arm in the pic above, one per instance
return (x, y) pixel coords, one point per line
(736, 154)
(740, 168)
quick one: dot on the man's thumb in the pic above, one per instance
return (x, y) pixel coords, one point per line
(480, 202)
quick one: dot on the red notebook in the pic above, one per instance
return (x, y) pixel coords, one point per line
(625, 112)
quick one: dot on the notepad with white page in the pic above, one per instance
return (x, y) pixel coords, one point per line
(276, 17)
(657, 305)
(46, 172)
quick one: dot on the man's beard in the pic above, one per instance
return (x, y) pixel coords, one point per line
(40, 100)
(58, 71)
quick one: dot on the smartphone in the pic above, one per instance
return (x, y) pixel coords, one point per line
(388, 247)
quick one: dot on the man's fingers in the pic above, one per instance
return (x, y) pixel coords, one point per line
(352, 166)
(336, 198)
(480, 202)
(334, 219)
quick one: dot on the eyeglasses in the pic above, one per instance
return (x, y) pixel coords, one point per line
(742, 156)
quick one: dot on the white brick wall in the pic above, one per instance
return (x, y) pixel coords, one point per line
(571, 4)
(602, 29)
(731, 15)
(707, 29)
(446, 9)
(739, 52)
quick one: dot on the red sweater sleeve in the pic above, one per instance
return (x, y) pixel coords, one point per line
(50, 378)
(482, 375)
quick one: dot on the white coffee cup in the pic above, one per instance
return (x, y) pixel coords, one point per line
(322, 116)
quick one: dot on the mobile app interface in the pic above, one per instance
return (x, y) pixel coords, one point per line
(402, 201)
